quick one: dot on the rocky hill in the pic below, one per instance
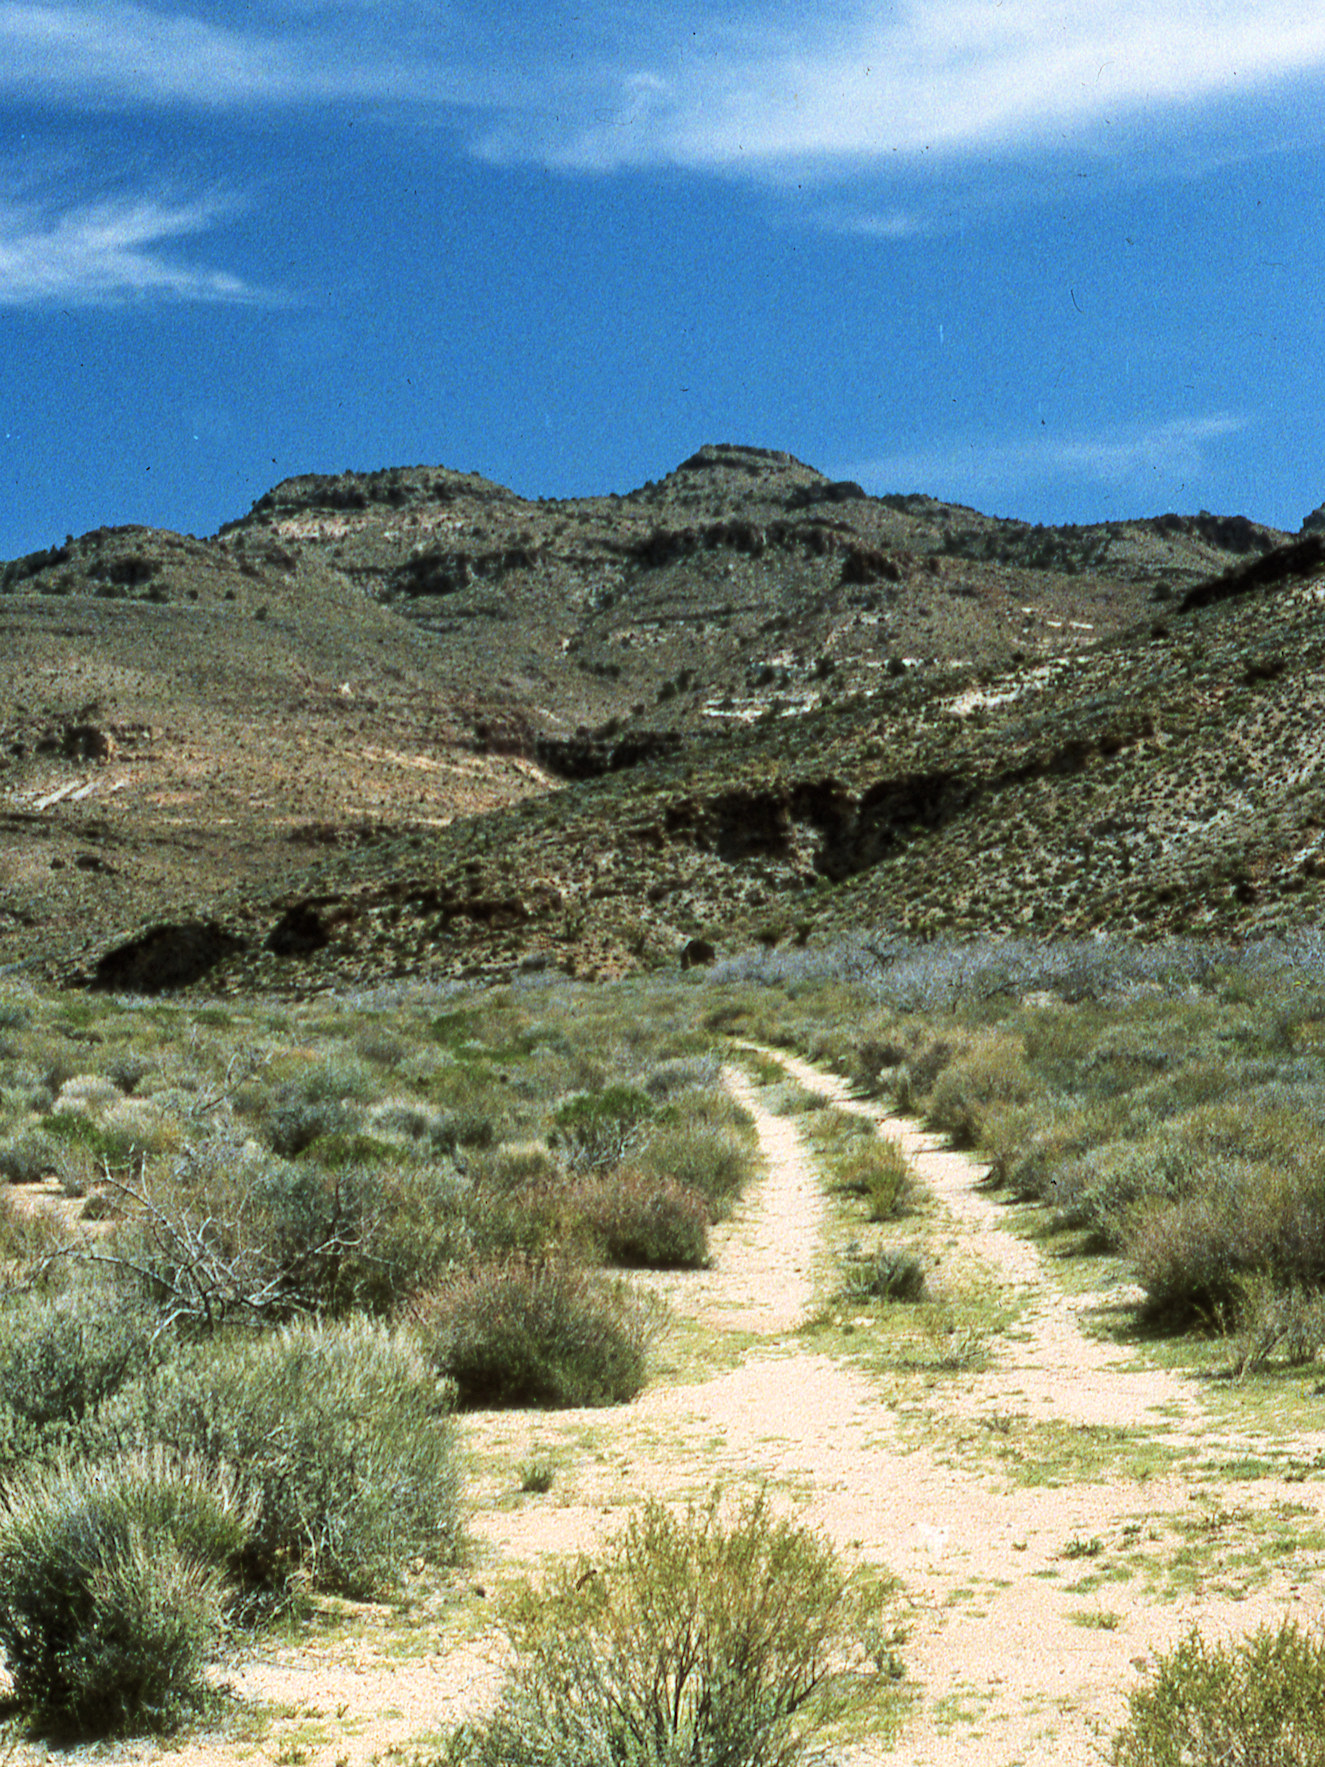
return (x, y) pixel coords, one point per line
(410, 721)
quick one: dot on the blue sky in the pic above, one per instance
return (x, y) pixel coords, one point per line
(1060, 259)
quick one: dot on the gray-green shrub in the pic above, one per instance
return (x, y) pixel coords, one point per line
(341, 1433)
(62, 1356)
(113, 1587)
(526, 1331)
(1258, 1701)
(711, 1159)
(880, 1172)
(597, 1129)
(646, 1222)
(687, 1640)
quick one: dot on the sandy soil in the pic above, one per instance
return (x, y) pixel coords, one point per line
(1055, 1517)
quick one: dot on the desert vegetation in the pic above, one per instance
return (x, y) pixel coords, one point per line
(258, 1259)
(254, 1258)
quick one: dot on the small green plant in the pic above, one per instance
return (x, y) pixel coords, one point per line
(113, 1587)
(690, 1639)
(895, 1273)
(537, 1475)
(880, 1173)
(1254, 1702)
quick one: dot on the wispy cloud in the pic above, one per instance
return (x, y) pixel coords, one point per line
(937, 77)
(121, 52)
(760, 86)
(1157, 455)
(111, 250)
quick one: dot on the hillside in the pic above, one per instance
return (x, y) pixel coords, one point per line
(409, 721)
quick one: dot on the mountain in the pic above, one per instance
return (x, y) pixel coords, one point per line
(408, 721)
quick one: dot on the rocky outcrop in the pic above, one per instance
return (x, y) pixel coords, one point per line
(1301, 558)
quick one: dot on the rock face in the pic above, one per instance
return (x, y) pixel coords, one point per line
(1315, 522)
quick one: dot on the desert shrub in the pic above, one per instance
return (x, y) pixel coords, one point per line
(710, 1160)
(1258, 1701)
(453, 1129)
(88, 1093)
(921, 1070)
(880, 1173)
(340, 1236)
(516, 1167)
(1192, 1257)
(993, 1072)
(1283, 1324)
(379, 1046)
(340, 1433)
(237, 1233)
(598, 1129)
(1108, 1190)
(294, 1122)
(870, 1057)
(650, 1222)
(29, 1242)
(402, 1119)
(528, 1331)
(28, 1156)
(128, 1070)
(61, 1357)
(689, 1639)
(112, 1587)
(833, 1129)
(682, 1074)
(894, 1273)
(335, 1079)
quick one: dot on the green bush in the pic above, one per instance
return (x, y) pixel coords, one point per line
(1193, 1256)
(686, 1641)
(112, 1587)
(61, 1357)
(247, 1236)
(1254, 1702)
(28, 1156)
(598, 1129)
(648, 1222)
(992, 1073)
(339, 1431)
(358, 1235)
(538, 1332)
(294, 1122)
(1277, 1324)
(713, 1160)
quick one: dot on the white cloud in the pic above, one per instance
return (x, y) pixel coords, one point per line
(1159, 455)
(95, 253)
(759, 87)
(938, 77)
(120, 52)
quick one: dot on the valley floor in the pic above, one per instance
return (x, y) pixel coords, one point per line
(1057, 1506)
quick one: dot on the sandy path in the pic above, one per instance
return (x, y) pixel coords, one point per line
(1028, 1605)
